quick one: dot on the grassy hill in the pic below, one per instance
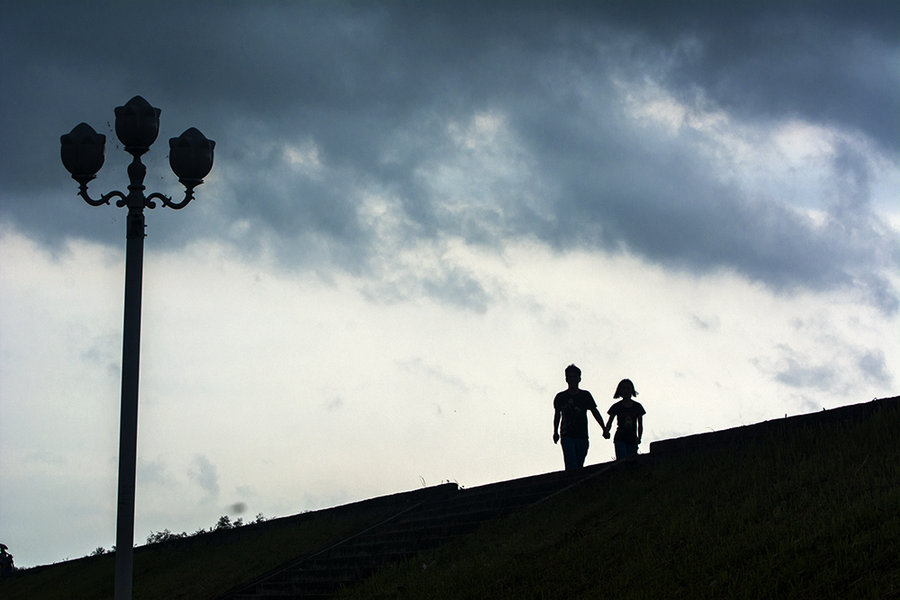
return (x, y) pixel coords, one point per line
(808, 512)
(799, 511)
(205, 567)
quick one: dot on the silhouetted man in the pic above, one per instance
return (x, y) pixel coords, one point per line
(570, 411)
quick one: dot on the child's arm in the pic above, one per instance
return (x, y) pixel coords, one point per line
(640, 427)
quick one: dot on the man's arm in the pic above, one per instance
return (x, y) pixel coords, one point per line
(556, 416)
(599, 419)
(608, 426)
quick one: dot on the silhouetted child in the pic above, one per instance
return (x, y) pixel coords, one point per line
(630, 420)
(570, 407)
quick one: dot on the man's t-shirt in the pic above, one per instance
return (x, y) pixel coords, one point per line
(626, 414)
(574, 407)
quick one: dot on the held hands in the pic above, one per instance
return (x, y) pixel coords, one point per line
(606, 434)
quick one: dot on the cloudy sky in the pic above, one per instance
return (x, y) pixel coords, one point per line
(419, 214)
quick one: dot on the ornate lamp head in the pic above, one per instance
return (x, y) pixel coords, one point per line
(191, 157)
(82, 151)
(137, 124)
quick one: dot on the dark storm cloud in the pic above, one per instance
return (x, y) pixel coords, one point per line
(831, 62)
(374, 86)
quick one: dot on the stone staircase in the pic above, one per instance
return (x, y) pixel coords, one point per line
(436, 517)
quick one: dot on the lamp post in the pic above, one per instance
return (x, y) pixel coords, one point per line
(191, 158)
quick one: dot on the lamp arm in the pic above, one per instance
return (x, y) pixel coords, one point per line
(188, 196)
(104, 199)
(166, 200)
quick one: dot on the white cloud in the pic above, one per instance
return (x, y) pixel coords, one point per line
(305, 157)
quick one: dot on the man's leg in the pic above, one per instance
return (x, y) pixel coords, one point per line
(569, 453)
(581, 448)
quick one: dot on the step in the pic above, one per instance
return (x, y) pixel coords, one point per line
(441, 516)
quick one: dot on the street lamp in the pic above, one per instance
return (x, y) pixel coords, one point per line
(191, 158)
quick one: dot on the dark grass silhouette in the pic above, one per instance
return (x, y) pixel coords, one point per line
(802, 508)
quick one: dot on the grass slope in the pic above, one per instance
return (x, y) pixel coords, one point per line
(202, 567)
(809, 513)
(813, 513)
